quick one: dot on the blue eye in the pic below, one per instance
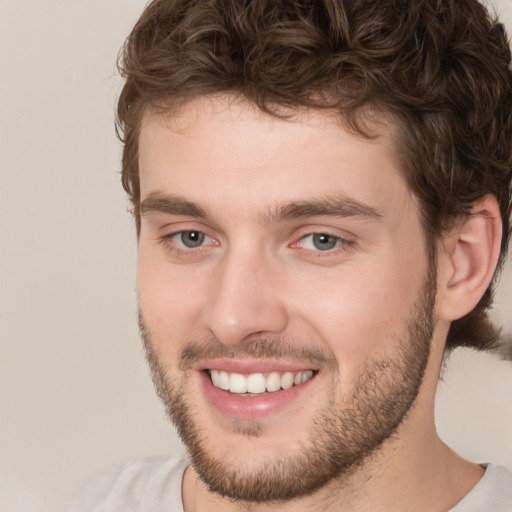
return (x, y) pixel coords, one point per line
(320, 242)
(188, 244)
(191, 239)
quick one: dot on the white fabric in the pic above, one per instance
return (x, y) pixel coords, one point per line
(147, 485)
(492, 493)
(154, 485)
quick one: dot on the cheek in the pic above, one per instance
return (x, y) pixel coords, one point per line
(170, 301)
(361, 315)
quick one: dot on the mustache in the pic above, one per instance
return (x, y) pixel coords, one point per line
(274, 348)
(262, 348)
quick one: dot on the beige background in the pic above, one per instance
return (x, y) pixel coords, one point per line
(75, 397)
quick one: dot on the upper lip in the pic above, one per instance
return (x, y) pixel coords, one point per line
(248, 366)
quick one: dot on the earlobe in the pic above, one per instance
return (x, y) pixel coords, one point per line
(468, 260)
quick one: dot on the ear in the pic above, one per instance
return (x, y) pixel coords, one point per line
(467, 260)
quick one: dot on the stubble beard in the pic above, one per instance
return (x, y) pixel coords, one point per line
(343, 439)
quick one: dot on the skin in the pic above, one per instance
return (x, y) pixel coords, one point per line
(259, 276)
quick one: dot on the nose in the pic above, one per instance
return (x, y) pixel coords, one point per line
(247, 298)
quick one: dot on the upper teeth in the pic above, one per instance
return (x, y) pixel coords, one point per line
(257, 382)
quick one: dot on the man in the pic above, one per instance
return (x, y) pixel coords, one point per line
(322, 194)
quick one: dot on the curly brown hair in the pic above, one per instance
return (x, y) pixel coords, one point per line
(440, 68)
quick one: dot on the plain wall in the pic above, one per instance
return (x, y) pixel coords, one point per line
(75, 394)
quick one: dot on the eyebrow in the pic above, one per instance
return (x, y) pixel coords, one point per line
(328, 206)
(170, 205)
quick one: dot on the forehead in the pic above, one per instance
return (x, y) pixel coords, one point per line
(212, 149)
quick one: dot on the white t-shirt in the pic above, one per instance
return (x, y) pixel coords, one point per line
(154, 485)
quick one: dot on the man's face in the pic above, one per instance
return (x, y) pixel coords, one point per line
(285, 261)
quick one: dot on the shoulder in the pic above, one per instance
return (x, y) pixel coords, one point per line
(493, 492)
(153, 483)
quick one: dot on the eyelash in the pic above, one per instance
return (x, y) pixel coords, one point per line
(341, 244)
(167, 241)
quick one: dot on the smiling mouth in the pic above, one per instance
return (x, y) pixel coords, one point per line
(257, 383)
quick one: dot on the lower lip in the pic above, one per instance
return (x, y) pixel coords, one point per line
(250, 407)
